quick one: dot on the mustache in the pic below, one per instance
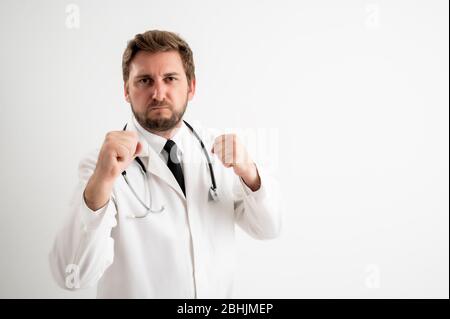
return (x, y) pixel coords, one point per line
(158, 104)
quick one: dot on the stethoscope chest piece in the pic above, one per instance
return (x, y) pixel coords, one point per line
(212, 195)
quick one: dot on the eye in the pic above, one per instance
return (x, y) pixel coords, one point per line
(171, 78)
(144, 81)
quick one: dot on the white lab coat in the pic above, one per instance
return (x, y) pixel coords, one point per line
(187, 251)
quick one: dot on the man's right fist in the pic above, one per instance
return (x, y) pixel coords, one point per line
(118, 150)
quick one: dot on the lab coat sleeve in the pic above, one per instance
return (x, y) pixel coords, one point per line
(83, 249)
(258, 213)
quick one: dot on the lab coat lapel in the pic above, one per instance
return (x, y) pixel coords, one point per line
(154, 164)
(195, 180)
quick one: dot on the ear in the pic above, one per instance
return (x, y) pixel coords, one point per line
(191, 89)
(125, 91)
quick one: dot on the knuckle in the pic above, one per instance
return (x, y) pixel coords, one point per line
(132, 135)
(107, 144)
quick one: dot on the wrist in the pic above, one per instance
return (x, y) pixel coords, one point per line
(97, 192)
(251, 178)
(102, 180)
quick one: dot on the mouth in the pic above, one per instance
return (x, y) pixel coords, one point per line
(157, 108)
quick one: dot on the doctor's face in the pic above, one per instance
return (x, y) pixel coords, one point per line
(158, 90)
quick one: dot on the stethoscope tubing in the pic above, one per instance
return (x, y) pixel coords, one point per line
(212, 190)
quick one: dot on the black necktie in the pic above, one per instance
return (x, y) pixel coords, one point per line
(174, 163)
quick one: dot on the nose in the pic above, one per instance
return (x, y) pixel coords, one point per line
(159, 91)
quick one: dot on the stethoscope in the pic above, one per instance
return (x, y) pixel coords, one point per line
(212, 190)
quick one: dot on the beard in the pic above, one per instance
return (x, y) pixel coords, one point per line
(152, 121)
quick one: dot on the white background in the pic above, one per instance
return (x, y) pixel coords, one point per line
(357, 91)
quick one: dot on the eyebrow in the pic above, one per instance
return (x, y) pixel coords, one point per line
(149, 76)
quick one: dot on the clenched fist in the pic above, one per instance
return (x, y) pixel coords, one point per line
(118, 151)
(232, 153)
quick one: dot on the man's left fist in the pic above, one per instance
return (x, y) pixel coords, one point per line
(232, 153)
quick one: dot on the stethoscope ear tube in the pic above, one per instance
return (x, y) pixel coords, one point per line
(211, 170)
(144, 171)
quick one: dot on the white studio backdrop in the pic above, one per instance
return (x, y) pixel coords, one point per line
(354, 93)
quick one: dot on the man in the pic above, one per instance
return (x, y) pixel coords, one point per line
(173, 240)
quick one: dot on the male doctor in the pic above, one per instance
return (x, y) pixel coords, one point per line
(181, 244)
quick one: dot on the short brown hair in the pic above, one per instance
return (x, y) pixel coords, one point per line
(154, 41)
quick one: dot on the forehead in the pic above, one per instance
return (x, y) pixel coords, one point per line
(156, 63)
